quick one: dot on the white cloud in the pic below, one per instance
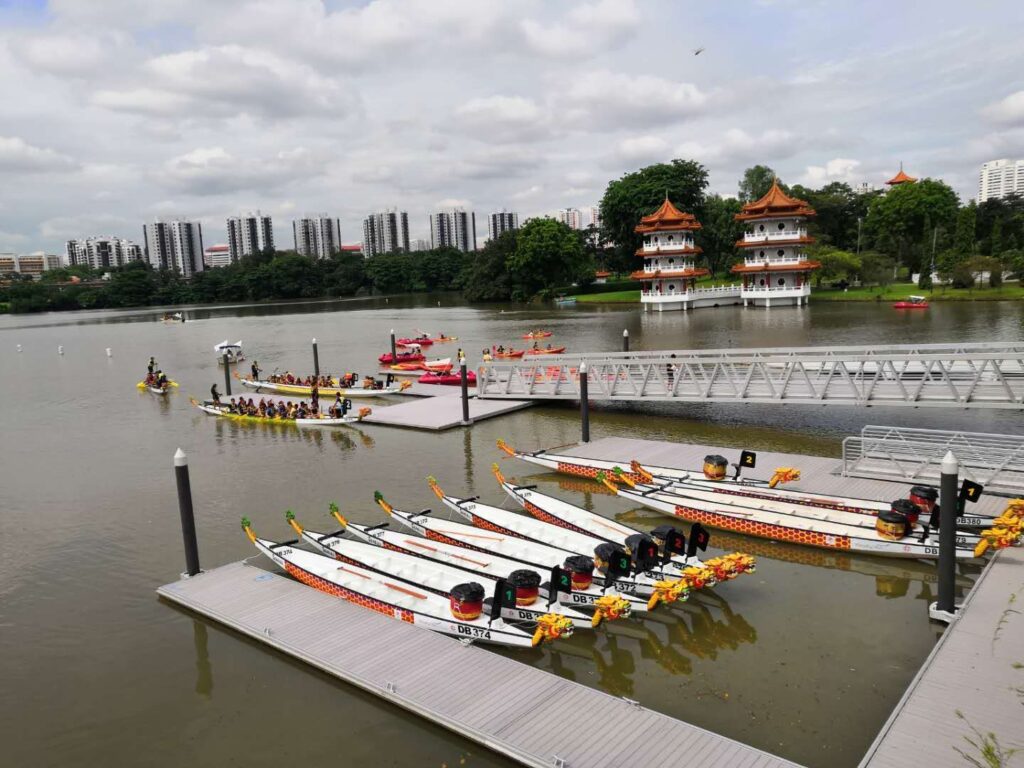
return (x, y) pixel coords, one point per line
(527, 194)
(738, 146)
(605, 100)
(642, 149)
(453, 202)
(587, 30)
(1007, 111)
(838, 169)
(502, 118)
(214, 171)
(18, 156)
(70, 54)
(86, 225)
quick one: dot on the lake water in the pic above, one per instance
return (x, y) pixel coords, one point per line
(805, 658)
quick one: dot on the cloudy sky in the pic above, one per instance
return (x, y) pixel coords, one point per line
(118, 111)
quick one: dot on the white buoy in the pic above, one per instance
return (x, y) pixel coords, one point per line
(109, 353)
(60, 350)
(19, 347)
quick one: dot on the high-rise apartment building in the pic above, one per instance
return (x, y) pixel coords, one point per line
(176, 244)
(217, 255)
(419, 244)
(385, 232)
(571, 217)
(503, 221)
(1000, 178)
(101, 252)
(453, 229)
(594, 217)
(317, 236)
(249, 234)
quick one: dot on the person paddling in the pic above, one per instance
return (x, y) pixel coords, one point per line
(215, 395)
(255, 370)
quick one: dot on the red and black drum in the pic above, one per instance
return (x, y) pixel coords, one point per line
(466, 601)
(924, 498)
(581, 571)
(527, 585)
(715, 466)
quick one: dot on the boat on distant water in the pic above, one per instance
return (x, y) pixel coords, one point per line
(461, 615)
(545, 351)
(912, 302)
(565, 301)
(233, 352)
(301, 390)
(447, 379)
(537, 335)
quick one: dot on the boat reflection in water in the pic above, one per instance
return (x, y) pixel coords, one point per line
(286, 432)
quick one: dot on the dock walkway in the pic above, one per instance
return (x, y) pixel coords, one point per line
(818, 474)
(975, 669)
(527, 714)
(433, 407)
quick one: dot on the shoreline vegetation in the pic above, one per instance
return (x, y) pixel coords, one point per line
(874, 238)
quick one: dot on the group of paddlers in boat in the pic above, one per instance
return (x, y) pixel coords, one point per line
(156, 380)
(266, 408)
(348, 380)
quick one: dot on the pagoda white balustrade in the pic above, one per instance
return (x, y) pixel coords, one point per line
(987, 375)
(767, 236)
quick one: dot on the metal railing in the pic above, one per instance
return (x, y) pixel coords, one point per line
(987, 375)
(994, 460)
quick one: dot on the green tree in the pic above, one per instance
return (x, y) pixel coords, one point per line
(635, 195)
(995, 238)
(755, 183)
(897, 220)
(132, 285)
(876, 268)
(836, 264)
(486, 276)
(547, 254)
(964, 235)
(720, 232)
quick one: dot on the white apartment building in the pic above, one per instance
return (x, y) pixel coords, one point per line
(102, 252)
(594, 217)
(218, 255)
(501, 222)
(249, 234)
(176, 244)
(32, 264)
(571, 217)
(318, 236)
(999, 178)
(385, 232)
(453, 229)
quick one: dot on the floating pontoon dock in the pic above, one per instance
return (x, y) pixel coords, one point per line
(436, 407)
(527, 714)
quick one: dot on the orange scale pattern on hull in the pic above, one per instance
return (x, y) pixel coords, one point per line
(479, 522)
(331, 588)
(764, 530)
(591, 472)
(540, 514)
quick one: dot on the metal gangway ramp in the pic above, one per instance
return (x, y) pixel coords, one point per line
(982, 375)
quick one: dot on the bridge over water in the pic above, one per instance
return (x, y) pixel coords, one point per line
(980, 375)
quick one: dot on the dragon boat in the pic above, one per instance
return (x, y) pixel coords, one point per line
(299, 390)
(611, 575)
(460, 616)
(523, 603)
(548, 509)
(321, 420)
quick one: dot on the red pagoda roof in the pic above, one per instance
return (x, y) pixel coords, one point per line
(667, 217)
(773, 204)
(602, 273)
(901, 178)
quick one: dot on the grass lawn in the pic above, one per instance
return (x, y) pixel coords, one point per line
(612, 297)
(897, 291)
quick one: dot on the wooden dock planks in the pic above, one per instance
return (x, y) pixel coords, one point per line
(518, 710)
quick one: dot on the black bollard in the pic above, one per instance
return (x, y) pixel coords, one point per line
(625, 340)
(584, 403)
(227, 376)
(464, 381)
(316, 360)
(948, 504)
(394, 354)
(188, 520)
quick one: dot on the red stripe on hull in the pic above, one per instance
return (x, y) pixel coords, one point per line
(764, 530)
(331, 588)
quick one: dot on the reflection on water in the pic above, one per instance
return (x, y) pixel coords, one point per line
(204, 670)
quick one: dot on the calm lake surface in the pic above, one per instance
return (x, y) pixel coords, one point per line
(805, 658)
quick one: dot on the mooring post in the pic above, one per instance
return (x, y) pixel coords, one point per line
(584, 402)
(227, 376)
(188, 520)
(394, 354)
(464, 381)
(625, 339)
(316, 360)
(948, 503)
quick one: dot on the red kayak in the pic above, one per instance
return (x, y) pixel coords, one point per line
(402, 357)
(410, 342)
(549, 351)
(914, 302)
(449, 379)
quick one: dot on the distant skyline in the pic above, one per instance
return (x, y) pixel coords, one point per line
(117, 112)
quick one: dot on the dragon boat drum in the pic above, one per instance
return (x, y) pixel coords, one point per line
(643, 551)
(581, 571)
(527, 585)
(908, 509)
(669, 540)
(607, 553)
(466, 601)
(893, 524)
(924, 498)
(715, 466)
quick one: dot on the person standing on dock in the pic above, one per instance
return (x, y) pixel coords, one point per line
(255, 370)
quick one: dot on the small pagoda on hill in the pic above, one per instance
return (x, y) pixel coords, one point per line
(669, 276)
(775, 270)
(900, 178)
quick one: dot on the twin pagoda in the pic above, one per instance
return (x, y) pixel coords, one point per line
(775, 270)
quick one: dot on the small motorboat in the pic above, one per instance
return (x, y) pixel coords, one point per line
(233, 352)
(402, 357)
(565, 301)
(546, 351)
(537, 335)
(912, 302)
(448, 379)
(176, 317)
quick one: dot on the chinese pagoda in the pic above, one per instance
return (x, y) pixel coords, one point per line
(669, 277)
(900, 178)
(775, 270)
